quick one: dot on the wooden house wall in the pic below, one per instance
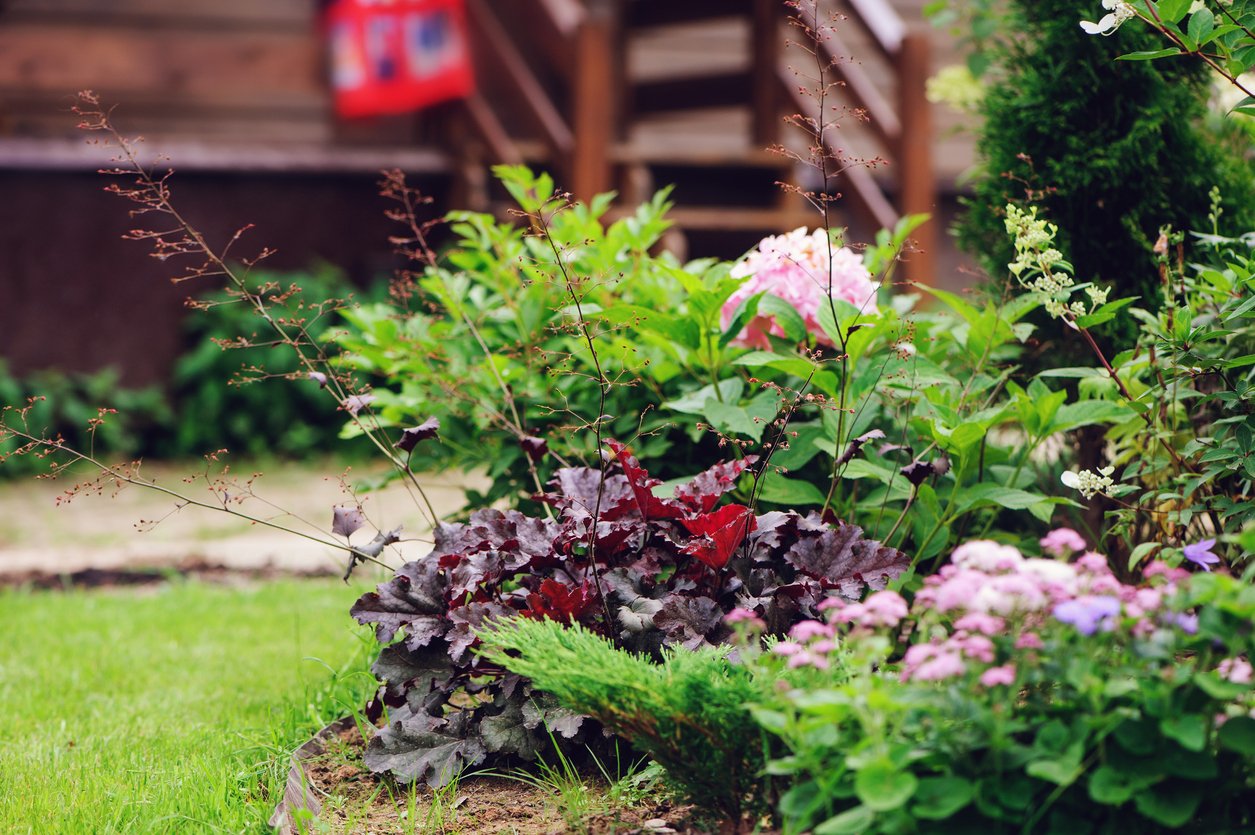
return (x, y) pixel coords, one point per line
(234, 92)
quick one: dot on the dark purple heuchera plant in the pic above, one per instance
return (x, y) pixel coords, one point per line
(644, 570)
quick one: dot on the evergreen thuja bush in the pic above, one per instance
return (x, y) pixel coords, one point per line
(1110, 150)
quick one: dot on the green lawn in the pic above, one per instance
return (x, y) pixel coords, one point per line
(167, 710)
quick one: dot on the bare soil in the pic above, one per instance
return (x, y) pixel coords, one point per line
(357, 801)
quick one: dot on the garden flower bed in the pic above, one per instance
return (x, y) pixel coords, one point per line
(834, 558)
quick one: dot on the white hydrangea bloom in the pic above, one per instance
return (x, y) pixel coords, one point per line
(1119, 13)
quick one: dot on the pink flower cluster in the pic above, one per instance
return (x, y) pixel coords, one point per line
(799, 268)
(968, 613)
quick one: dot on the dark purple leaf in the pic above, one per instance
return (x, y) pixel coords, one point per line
(843, 559)
(852, 448)
(346, 520)
(918, 471)
(382, 539)
(543, 709)
(690, 621)
(536, 448)
(414, 600)
(507, 732)
(411, 437)
(465, 620)
(415, 746)
(354, 403)
(402, 670)
(473, 571)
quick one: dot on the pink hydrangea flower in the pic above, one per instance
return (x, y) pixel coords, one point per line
(798, 267)
(1062, 542)
(995, 676)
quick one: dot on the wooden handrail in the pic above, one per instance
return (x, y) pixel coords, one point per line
(904, 131)
(879, 20)
(554, 24)
(501, 50)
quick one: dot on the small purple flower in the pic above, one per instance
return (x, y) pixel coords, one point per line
(1089, 613)
(1200, 554)
(319, 378)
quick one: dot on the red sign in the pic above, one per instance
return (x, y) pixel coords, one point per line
(397, 56)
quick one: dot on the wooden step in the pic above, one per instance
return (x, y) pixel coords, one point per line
(721, 219)
(670, 155)
(647, 13)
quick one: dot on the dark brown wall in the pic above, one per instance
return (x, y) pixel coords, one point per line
(75, 296)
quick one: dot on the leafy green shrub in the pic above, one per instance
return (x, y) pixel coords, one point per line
(238, 390)
(1182, 439)
(69, 406)
(1110, 150)
(1030, 694)
(490, 342)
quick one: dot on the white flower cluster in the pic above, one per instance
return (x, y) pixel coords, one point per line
(1039, 267)
(1119, 12)
(1089, 482)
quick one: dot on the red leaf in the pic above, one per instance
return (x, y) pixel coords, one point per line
(717, 535)
(560, 602)
(651, 506)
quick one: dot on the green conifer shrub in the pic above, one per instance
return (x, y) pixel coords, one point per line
(1111, 150)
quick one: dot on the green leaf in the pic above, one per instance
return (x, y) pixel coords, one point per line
(986, 493)
(1110, 787)
(882, 787)
(745, 311)
(1063, 771)
(1238, 734)
(1105, 313)
(1088, 413)
(694, 403)
(1172, 805)
(1190, 730)
(786, 316)
(1148, 55)
(937, 798)
(796, 365)
(732, 419)
(790, 492)
(1202, 22)
(1170, 11)
(850, 822)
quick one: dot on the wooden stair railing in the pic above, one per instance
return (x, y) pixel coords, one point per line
(904, 132)
(577, 41)
(580, 46)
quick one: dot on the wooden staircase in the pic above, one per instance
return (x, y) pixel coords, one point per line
(631, 95)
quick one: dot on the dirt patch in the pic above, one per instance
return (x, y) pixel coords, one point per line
(186, 569)
(356, 801)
